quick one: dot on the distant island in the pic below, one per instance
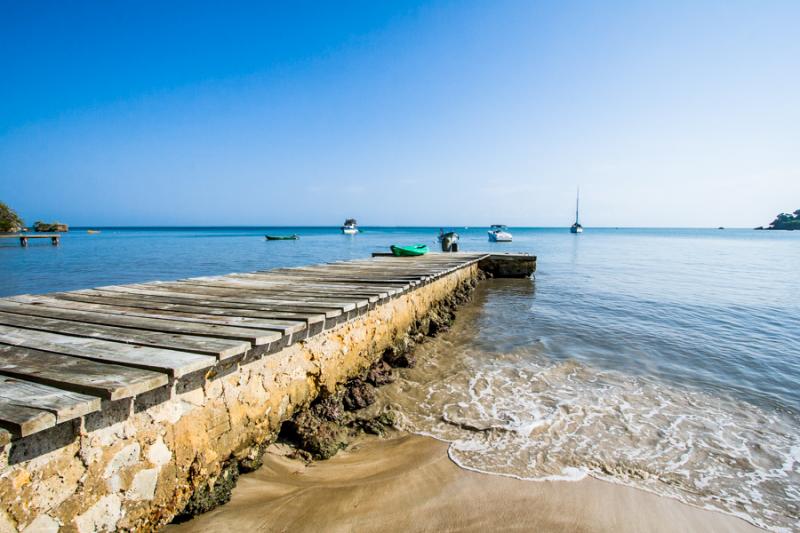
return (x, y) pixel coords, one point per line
(44, 227)
(785, 221)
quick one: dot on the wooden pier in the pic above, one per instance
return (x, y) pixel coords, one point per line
(62, 353)
(23, 239)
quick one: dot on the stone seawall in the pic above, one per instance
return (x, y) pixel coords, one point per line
(135, 464)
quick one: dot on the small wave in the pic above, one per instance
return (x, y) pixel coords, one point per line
(517, 415)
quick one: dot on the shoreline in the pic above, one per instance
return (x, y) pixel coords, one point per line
(409, 482)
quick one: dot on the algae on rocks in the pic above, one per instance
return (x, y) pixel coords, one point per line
(210, 495)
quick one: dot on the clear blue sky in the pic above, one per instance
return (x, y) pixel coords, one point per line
(400, 113)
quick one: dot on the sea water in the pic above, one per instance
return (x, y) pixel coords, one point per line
(664, 359)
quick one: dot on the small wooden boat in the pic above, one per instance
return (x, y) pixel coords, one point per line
(282, 237)
(409, 251)
(92, 231)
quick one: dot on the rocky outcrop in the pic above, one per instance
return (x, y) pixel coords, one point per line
(44, 227)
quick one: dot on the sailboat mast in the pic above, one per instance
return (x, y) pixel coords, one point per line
(577, 200)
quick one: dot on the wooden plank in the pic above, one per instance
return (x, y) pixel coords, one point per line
(149, 304)
(327, 275)
(106, 380)
(66, 405)
(167, 324)
(24, 421)
(331, 277)
(172, 362)
(195, 300)
(206, 296)
(45, 302)
(221, 348)
(389, 289)
(344, 303)
(298, 290)
(247, 282)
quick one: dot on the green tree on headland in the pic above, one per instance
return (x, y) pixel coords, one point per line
(9, 219)
(790, 221)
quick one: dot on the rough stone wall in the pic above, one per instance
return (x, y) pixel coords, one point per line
(135, 464)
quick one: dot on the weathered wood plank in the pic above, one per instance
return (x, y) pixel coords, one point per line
(168, 304)
(345, 303)
(217, 303)
(280, 280)
(166, 324)
(103, 379)
(172, 362)
(333, 276)
(66, 405)
(375, 293)
(301, 291)
(201, 295)
(24, 421)
(221, 348)
(45, 302)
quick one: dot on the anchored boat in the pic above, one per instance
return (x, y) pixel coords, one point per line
(576, 227)
(409, 251)
(499, 233)
(350, 226)
(448, 240)
(282, 237)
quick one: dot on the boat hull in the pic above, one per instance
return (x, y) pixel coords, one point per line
(501, 236)
(349, 231)
(409, 251)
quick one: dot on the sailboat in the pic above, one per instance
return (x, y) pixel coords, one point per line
(576, 227)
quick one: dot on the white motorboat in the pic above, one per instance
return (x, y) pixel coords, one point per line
(350, 227)
(576, 227)
(499, 233)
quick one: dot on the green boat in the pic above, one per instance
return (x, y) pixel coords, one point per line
(409, 251)
(282, 237)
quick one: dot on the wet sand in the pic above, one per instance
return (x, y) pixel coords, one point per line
(408, 483)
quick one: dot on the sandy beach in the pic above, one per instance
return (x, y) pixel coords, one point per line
(407, 483)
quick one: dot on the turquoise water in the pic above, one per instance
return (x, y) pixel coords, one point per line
(688, 340)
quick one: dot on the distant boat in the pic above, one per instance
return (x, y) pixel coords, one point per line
(92, 231)
(350, 226)
(448, 240)
(499, 233)
(576, 227)
(282, 237)
(409, 251)
(721, 227)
